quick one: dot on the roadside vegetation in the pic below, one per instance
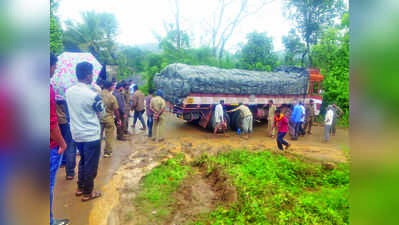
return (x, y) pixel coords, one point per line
(270, 188)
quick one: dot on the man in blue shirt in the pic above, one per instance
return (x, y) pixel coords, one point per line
(296, 119)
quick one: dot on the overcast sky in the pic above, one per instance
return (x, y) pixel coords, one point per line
(139, 19)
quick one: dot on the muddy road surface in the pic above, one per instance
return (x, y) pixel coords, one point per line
(119, 176)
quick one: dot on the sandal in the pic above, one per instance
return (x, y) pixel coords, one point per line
(78, 193)
(91, 197)
(61, 222)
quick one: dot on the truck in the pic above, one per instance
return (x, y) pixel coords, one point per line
(192, 92)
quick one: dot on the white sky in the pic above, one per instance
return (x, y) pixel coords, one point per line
(138, 19)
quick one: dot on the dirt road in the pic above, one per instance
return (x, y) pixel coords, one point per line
(132, 160)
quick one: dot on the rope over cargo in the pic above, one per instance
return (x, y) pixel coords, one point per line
(177, 81)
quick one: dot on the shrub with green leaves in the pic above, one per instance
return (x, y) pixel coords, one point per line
(273, 189)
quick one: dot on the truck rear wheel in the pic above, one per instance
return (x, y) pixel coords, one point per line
(235, 121)
(212, 124)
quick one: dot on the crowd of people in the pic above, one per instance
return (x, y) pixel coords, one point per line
(88, 113)
(296, 120)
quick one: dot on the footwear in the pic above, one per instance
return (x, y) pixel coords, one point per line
(123, 138)
(61, 222)
(286, 147)
(69, 178)
(78, 193)
(107, 155)
(92, 196)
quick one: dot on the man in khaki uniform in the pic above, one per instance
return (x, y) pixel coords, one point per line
(246, 117)
(158, 106)
(270, 119)
(107, 121)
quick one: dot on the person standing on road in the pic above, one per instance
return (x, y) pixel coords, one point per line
(309, 117)
(83, 105)
(138, 107)
(150, 113)
(282, 126)
(57, 145)
(270, 119)
(118, 93)
(246, 117)
(126, 95)
(70, 153)
(328, 121)
(158, 106)
(219, 117)
(337, 113)
(108, 122)
(302, 122)
(295, 120)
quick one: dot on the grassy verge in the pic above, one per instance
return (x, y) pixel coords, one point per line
(273, 189)
(155, 196)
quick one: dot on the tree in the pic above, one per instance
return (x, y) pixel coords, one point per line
(257, 53)
(310, 16)
(331, 55)
(95, 34)
(135, 58)
(293, 48)
(56, 46)
(222, 26)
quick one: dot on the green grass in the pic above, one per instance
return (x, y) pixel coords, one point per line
(155, 197)
(273, 189)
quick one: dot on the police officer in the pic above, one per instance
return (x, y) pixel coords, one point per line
(107, 121)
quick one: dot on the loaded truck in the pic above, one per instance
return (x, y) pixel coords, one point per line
(192, 92)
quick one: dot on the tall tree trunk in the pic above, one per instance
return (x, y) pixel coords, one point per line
(221, 50)
(178, 44)
(303, 58)
(309, 55)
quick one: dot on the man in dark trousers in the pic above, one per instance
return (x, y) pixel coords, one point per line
(150, 113)
(138, 107)
(83, 105)
(309, 117)
(118, 93)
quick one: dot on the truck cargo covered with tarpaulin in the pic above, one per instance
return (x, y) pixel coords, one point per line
(177, 81)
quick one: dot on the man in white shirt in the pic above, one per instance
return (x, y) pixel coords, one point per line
(219, 117)
(83, 105)
(328, 122)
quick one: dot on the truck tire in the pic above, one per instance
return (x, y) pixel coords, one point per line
(227, 119)
(235, 121)
(212, 123)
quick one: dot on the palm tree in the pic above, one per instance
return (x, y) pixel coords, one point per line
(95, 34)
